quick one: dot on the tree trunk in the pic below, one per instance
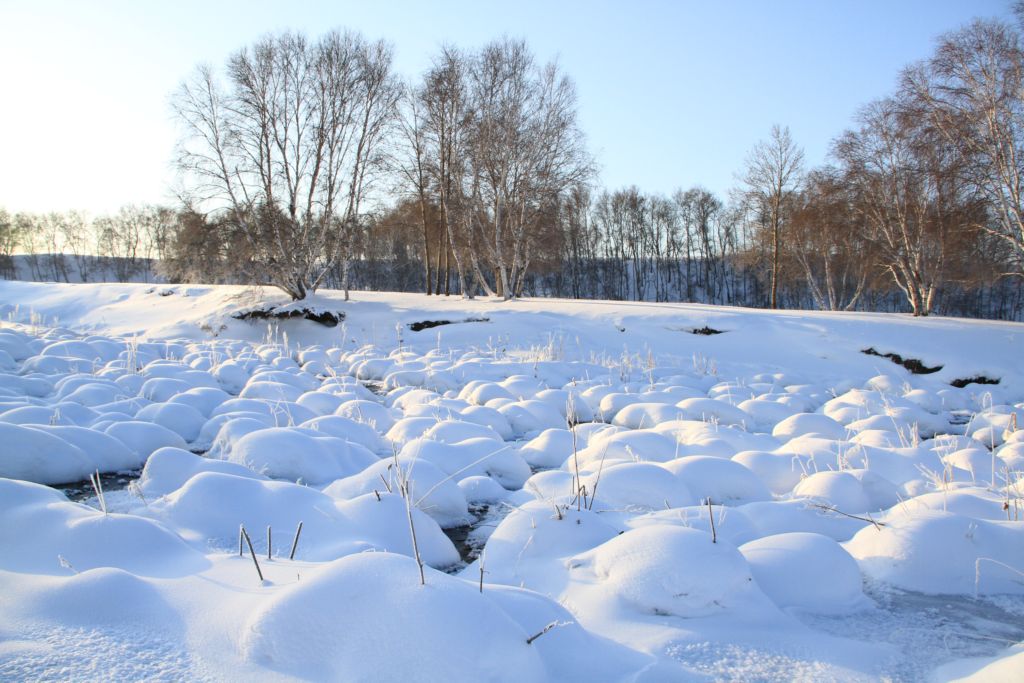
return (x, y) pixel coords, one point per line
(426, 247)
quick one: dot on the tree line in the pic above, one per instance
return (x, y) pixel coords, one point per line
(310, 163)
(72, 247)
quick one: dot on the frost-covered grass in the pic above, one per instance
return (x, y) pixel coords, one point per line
(642, 503)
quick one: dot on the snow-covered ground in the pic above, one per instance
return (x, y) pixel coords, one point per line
(633, 496)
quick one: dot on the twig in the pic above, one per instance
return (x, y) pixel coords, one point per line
(576, 466)
(977, 571)
(711, 517)
(535, 636)
(97, 486)
(878, 525)
(253, 553)
(482, 555)
(295, 542)
(456, 472)
(597, 481)
(412, 531)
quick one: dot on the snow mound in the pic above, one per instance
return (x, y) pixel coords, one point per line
(941, 552)
(43, 533)
(295, 453)
(720, 480)
(38, 456)
(636, 486)
(807, 571)
(169, 468)
(670, 570)
(143, 438)
(210, 506)
(550, 448)
(448, 630)
(433, 490)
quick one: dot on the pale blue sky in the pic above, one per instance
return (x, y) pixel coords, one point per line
(671, 94)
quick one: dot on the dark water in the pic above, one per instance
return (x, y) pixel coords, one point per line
(80, 491)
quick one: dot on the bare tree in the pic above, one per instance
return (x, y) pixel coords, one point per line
(79, 238)
(285, 150)
(445, 100)
(412, 166)
(51, 232)
(773, 173)
(829, 243)
(909, 191)
(527, 150)
(972, 90)
(120, 238)
(10, 238)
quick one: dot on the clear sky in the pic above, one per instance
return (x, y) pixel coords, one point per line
(671, 94)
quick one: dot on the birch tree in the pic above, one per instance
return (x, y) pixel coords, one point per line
(908, 190)
(773, 173)
(527, 150)
(283, 147)
(972, 91)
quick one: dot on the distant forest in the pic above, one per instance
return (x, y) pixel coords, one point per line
(308, 163)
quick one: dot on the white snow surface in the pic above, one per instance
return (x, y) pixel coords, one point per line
(592, 491)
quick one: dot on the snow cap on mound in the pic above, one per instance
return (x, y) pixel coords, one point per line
(448, 630)
(169, 468)
(373, 414)
(941, 552)
(550, 448)
(670, 570)
(142, 438)
(807, 571)
(106, 453)
(730, 524)
(271, 391)
(629, 446)
(41, 527)
(323, 402)
(477, 456)
(722, 481)
(528, 546)
(65, 413)
(35, 455)
(433, 491)
(480, 490)
(103, 596)
(454, 431)
(809, 424)
(529, 418)
(779, 517)
(183, 420)
(851, 491)
(636, 486)
(295, 453)
(780, 472)
(161, 389)
(409, 428)
(203, 399)
(646, 415)
(211, 505)
(349, 430)
(712, 410)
